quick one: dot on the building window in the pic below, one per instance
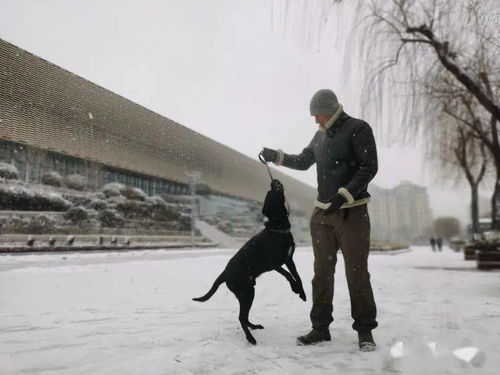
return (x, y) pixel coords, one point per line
(5, 151)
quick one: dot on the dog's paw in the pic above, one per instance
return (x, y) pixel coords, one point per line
(255, 326)
(252, 340)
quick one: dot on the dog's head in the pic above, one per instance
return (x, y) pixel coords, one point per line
(277, 186)
(274, 204)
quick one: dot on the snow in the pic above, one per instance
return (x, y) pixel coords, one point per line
(131, 313)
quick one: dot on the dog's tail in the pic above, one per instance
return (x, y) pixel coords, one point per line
(213, 289)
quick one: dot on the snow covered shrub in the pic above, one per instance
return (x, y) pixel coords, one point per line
(98, 204)
(90, 224)
(212, 220)
(157, 202)
(131, 208)
(40, 224)
(112, 189)
(78, 200)
(15, 224)
(3, 224)
(8, 171)
(50, 202)
(226, 227)
(110, 218)
(99, 195)
(23, 198)
(184, 222)
(76, 181)
(76, 215)
(52, 178)
(113, 202)
(161, 210)
(134, 194)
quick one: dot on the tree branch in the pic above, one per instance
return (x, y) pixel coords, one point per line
(446, 57)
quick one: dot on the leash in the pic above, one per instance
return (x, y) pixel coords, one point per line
(263, 161)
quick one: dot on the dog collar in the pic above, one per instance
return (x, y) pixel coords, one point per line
(279, 230)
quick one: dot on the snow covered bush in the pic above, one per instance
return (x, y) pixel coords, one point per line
(8, 171)
(131, 208)
(134, 194)
(90, 224)
(52, 178)
(98, 204)
(78, 199)
(76, 215)
(110, 218)
(115, 201)
(76, 181)
(22, 198)
(112, 189)
(161, 210)
(3, 224)
(184, 222)
(226, 227)
(157, 202)
(99, 195)
(212, 220)
(40, 224)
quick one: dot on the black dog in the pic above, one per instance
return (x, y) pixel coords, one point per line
(266, 251)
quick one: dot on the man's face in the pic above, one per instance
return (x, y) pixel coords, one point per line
(322, 119)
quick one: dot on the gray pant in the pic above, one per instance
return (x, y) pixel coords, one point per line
(351, 233)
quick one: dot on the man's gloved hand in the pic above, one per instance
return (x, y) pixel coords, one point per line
(337, 201)
(269, 154)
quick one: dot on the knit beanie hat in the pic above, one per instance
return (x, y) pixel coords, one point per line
(324, 102)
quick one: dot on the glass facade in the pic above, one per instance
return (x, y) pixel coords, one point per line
(149, 184)
(37, 161)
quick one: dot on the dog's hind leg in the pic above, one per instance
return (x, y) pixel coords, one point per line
(245, 295)
(293, 270)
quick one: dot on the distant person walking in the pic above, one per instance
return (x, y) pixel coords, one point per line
(439, 242)
(433, 243)
(345, 154)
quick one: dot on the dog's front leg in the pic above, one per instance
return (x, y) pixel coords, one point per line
(293, 270)
(296, 286)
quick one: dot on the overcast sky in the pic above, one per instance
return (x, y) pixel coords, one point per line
(225, 68)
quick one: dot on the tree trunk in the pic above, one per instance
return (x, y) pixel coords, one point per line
(495, 202)
(474, 206)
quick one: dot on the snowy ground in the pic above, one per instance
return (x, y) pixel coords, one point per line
(132, 313)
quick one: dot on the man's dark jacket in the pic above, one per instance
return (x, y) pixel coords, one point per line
(345, 157)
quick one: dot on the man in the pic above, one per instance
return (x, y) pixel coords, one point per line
(439, 243)
(433, 244)
(345, 154)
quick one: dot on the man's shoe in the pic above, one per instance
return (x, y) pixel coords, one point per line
(314, 336)
(366, 342)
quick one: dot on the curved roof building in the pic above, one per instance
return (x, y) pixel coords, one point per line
(52, 109)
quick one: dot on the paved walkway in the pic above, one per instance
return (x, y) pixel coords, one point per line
(216, 236)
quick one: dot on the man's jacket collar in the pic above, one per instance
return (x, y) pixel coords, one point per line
(328, 125)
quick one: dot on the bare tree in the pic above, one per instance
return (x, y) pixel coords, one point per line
(462, 135)
(459, 152)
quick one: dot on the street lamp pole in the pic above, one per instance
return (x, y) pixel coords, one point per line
(193, 180)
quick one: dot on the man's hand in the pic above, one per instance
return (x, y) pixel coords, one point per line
(337, 201)
(269, 155)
